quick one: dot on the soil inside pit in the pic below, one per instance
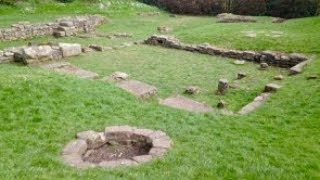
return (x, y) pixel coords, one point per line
(115, 150)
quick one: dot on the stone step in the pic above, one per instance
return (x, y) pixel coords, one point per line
(181, 102)
(68, 68)
(138, 88)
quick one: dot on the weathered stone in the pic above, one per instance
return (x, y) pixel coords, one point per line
(257, 102)
(264, 66)
(297, 69)
(78, 147)
(112, 129)
(271, 87)
(278, 20)
(241, 75)
(298, 57)
(162, 143)
(20, 58)
(117, 163)
(118, 76)
(187, 104)
(223, 86)
(86, 49)
(138, 88)
(58, 34)
(70, 69)
(163, 29)
(279, 77)
(222, 104)
(232, 18)
(66, 23)
(149, 14)
(192, 90)
(93, 139)
(143, 132)
(239, 62)
(142, 159)
(96, 47)
(70, 49)
(158, 152)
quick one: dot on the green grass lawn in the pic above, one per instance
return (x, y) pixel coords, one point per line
(40, 111)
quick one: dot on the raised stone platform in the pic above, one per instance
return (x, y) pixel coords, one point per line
(68, 68)
(180, 102)
(138, 88)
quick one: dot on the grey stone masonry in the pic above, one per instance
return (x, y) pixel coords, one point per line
(40, 53)
(66, 26)
(270, 57)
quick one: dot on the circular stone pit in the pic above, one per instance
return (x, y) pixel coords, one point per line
(117, 146)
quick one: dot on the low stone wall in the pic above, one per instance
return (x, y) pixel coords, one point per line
(67, 26)
(39, 53)
(272, 58)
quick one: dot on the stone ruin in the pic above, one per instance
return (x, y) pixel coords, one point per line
(232, 18)
(116, 146)
(67, 26)
(270, 57)
(40, 53)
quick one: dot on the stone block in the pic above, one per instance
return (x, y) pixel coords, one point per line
(69, 50)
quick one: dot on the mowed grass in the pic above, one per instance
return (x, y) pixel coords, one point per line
(40, 111)
(172, 71)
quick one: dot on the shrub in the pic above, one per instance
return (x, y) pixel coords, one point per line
(248, 7)
(8, 2)
(66, 1)
(191, 6)
(292, 8)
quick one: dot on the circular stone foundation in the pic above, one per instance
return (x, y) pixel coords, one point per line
(117, 146)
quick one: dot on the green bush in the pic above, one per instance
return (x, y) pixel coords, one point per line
(292, 8)
(66, 1)
(248, 7)
(8, 2)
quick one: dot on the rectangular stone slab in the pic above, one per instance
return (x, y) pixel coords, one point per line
(68, 68)
(138, 88)
(257, 102)
(180, 102)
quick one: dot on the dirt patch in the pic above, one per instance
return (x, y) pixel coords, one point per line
(116, 146)
(119, 149)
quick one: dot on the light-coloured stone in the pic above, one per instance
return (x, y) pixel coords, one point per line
(223, 86)
(93, 139)
(257, 102)
(184, 103)
(271, 87)
(118, 76)
(138, 88)
(192, 90)
(112, 129)
(158, 152)
(279, 77)
(142, 159)
(162, 143)
(78, 147)
(239, 62)
(70, 49)
(117, 163)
